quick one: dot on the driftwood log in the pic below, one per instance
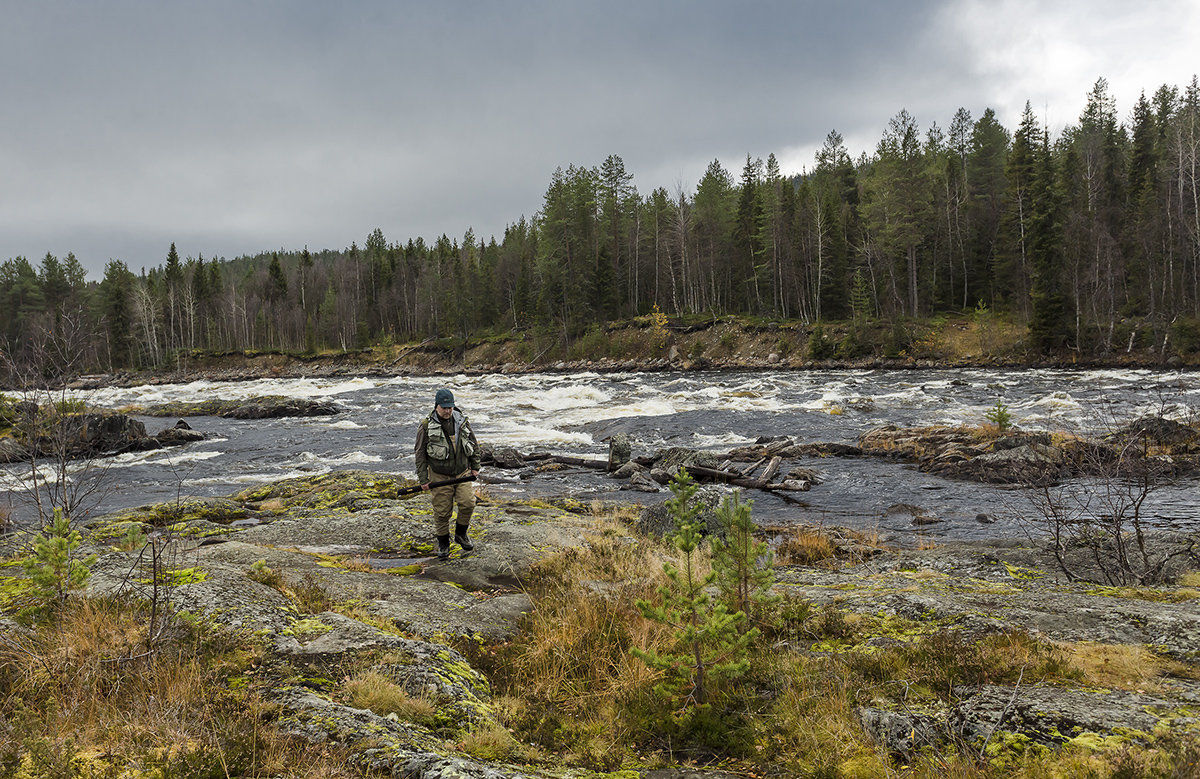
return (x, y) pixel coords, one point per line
(726, 473)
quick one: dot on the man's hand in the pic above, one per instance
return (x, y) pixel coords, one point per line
(425, 487)
(475, 474)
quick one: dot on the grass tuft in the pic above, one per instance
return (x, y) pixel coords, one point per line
(804, 546)
(372, 690)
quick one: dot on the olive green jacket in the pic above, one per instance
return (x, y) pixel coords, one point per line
(445, 448)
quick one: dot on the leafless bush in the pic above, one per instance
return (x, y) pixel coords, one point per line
(1099, 522)
(49, 424)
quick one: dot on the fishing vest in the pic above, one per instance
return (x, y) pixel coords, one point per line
(439, 450)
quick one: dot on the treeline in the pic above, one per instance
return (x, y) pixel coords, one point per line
(1078, 236)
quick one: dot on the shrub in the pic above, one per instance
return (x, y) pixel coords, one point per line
(743, 565)
(805, 547)
(1185, 332)
(819, 345)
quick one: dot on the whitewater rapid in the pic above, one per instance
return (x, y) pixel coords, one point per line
(575, 414)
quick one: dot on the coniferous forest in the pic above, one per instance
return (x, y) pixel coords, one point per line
(1090, 238)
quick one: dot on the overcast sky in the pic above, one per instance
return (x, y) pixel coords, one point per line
(236, 127)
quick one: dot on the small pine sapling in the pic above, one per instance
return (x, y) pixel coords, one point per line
(53, 566)
(999, 416)
(744, 565)
(709, 646)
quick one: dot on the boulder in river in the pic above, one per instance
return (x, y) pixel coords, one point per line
(178, 434)
(261, 407)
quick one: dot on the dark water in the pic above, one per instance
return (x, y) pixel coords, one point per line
(574, 413)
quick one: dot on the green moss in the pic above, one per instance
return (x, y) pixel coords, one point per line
(1007, 749)
(307, 629)
(337, 491)
(199, 529)
(1095, 742)
(405, 570)
(177, 577)
(14, 590)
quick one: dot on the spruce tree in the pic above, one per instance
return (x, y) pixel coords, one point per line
(1049, 326)
(54, 567)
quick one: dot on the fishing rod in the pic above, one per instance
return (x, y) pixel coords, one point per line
(418, 488)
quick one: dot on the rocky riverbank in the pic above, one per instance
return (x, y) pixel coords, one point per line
(330, 577)
(721, 343)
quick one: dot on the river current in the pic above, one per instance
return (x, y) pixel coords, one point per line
(575, 413)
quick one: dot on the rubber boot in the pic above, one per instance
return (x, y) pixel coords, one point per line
(443, 547)
(460, 538)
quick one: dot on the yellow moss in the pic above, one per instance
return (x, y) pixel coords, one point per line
(1017, 572)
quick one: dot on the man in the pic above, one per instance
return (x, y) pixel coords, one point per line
(446, 449)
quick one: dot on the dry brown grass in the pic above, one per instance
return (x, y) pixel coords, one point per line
(494, 743)
(83, 697)
(1190, 579)
(1119, 666)
(577, 646)
(805, 546)
(372, 690)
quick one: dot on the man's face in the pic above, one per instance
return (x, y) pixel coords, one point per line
(444, 412)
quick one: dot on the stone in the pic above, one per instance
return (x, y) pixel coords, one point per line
(178, 434)
(640, 482)
(11, 451)
(507, 457)
(657, 520)
(628, 470)
(681, 457)
(619, 450)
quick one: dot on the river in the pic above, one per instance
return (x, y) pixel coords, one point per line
(574, 413)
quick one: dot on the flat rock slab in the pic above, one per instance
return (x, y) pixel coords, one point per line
(980, 588)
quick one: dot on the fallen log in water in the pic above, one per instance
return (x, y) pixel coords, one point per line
(735, 478)
(738, 477)
(581, 462)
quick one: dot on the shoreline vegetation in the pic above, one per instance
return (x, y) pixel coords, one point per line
(647, 344)
(300, 629)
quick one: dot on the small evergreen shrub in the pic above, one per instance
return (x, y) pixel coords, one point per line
(54, 567)
(999, 416)
(710, 645)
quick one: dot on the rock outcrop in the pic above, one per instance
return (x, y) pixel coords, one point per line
(373, 600)
(345, 538)
(91, 434)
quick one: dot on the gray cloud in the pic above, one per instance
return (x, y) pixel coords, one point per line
(234, 127)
